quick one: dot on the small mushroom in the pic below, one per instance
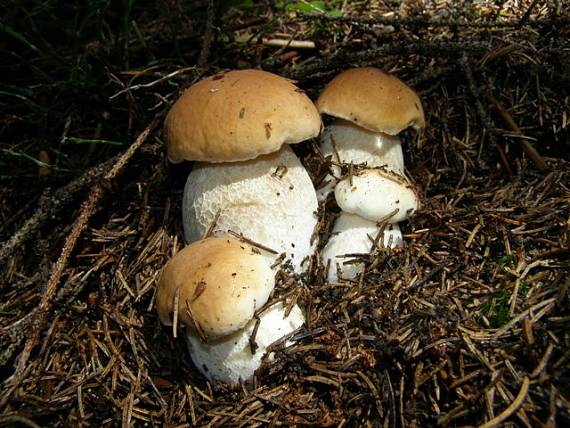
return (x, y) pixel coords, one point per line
(236, 125)
(218, 285)
(370, 108)
(376, 195)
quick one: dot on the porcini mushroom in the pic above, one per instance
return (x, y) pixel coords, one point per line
(370, 108)
(236, 125)
(214, 288)
(376, 194)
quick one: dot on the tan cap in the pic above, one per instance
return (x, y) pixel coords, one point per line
(224, 282)
(238, 115)
(372, 99)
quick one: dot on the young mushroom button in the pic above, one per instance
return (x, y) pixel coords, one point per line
(220, 282)
(376, 195)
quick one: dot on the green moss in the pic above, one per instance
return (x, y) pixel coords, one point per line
(496, 309)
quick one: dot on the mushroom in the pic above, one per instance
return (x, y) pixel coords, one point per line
(376, 194)
(370, 108)
(215, 287)
(235, 124)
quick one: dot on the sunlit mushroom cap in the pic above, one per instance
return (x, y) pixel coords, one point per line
(222, 281)
(372, 99)
(238, 115)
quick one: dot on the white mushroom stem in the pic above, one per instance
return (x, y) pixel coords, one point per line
(349, 143)
(270, 200)
(377, 195)
(354, 235)
(230, 359)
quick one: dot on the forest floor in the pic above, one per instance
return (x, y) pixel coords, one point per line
(466, 325)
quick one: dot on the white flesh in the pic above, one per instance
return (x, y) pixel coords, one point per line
(270, 200)
(357, 145)
(352, 235)
(230, 359)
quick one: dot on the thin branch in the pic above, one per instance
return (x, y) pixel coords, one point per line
(208, 34)
(42, 315)
(50, 204)
(414, 21)
(527, 147)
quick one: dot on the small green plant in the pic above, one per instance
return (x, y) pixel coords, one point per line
(76, 140)
(507, 260)
(524, 288)
(496, 309)
(316, 7)
(39, 163)
(243, 4)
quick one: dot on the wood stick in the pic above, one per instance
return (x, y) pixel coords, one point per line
(42, 315)
(527, 147)
(293, 44)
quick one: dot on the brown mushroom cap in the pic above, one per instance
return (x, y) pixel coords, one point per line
(224, 282)
(238, 115)
(372, 99)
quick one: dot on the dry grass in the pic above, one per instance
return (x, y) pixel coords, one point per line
(465, 325)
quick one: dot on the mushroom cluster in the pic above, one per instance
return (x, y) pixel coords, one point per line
(249, 204)
(370, 108)
(247, 184)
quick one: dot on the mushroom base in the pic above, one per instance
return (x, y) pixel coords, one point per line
(230, 359)
(353, 235)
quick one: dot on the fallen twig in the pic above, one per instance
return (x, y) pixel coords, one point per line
(208, 34)
(51, 204)
(510, 122)
(293, 44)
(42, 314)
